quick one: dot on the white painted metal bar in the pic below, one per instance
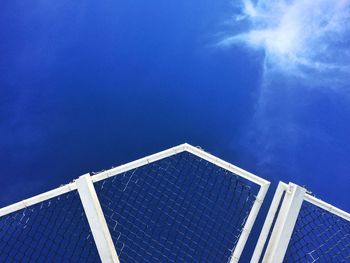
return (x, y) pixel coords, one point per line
(172, 151)
(37, 199)
(277, 198)
(132, 165)
(96, 219)
(328, 207)
(285, 223)
(249, 223)
(225, 165)
(98, 177)
(140, 162)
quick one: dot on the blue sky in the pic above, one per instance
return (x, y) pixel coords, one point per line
(86, 86)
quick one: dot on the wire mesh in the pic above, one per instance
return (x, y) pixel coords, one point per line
(55, 230)
(179, 209)
(319, 236)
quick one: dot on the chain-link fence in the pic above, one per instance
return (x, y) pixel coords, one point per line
(179, 205)
(302, 228)
(319, 236)
(179, 209)
(55, 230)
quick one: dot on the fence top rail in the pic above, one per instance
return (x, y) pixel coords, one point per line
(326, 206)
(322, 204)
(38, 198)
(139, 162)
(225, 165)
(175, 150)
(132, 165)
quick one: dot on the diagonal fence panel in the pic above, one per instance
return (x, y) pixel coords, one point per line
(180, 207)
(54, 230)
(319, 236)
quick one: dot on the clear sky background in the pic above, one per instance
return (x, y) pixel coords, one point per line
(86, 85)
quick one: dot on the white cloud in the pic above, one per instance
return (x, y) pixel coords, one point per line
(308, 39)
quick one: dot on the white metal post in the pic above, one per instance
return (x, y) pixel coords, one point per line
(96, 219)
(268, 222)
(249, 224)
(285, 223)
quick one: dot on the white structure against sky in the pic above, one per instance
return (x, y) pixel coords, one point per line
(285, 210)
(276, 237)
(94, 213)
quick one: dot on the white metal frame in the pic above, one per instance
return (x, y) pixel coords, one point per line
(264, 185)
(96, 219)
(38, 198)
(289, 197)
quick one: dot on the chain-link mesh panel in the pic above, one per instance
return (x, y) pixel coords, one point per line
(319, 236)
(55, 230)
(179, 209)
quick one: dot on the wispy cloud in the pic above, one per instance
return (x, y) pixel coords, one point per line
(302, 45)
(308, 39)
